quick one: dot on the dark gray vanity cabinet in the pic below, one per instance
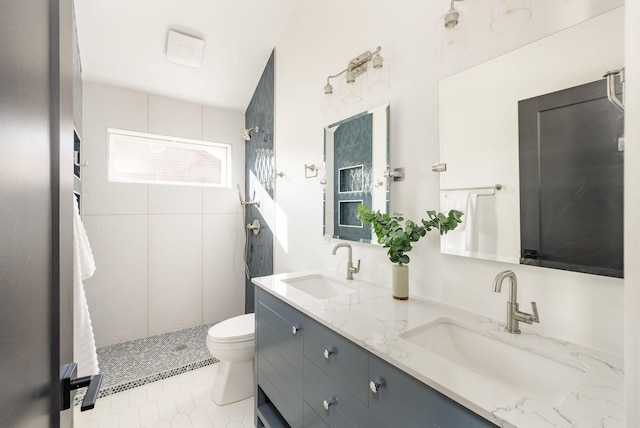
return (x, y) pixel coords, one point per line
(310, 376)
(279, 337)
(335, 378)
(399, 400)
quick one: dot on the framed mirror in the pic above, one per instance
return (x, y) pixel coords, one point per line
(479, 133)
(356, 157)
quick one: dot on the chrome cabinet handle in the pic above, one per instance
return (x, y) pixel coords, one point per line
(375, 386)
(328, 353)
(328, 403)
(295, 329)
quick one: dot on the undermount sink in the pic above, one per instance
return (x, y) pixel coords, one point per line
(319, 286)
(531, 373)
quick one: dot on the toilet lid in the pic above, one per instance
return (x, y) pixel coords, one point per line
(236, 329)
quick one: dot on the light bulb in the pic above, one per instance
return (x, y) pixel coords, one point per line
(451, 38)
(351, 89)
(329, 102)
(378, 74)
(507, 15)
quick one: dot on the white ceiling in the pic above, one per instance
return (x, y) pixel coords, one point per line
(123, 43)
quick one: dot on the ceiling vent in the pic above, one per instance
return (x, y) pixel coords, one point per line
(184, 50)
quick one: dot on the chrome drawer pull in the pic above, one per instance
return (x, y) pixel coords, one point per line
(375, 386)
(326, 404)
(328, 353)
(295, 329)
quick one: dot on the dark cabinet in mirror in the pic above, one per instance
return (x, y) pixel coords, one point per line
(571, 181)
(479, 142)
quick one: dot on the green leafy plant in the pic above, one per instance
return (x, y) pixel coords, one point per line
(398, 238)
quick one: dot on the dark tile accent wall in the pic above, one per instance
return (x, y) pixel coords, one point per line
(259, 162)
(352, 144)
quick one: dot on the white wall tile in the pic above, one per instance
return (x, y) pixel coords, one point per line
(222, 201)
(174, 118)
(175, 272)
(117, 293)
(150, 272)
(223, 267)
(109, 107)
(175, 199)
(223, 126)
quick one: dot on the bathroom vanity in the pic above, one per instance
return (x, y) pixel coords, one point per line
(334, 353)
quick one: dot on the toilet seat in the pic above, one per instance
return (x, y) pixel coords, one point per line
(232, 330)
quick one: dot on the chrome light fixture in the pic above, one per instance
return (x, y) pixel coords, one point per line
(451, 38)
(507, 15)
(377, 69)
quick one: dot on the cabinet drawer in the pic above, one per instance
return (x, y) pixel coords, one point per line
(293, 316)
(338, 357)
(311, 419)
(400, 391)
(292, 413)
(347, 410)
(274, 335)
(288, 381)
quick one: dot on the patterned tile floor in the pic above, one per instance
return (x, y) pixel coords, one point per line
(181, 401)
(138, 362)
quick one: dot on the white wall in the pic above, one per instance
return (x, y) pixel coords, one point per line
(320, 39)
(167, 257)
(632, 214)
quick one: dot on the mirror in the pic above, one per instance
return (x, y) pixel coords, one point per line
(356, 156)
(479, 127)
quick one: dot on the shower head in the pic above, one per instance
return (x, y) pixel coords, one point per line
(246, 133)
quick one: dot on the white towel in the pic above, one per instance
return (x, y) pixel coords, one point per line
(462, 240)
(84, 344)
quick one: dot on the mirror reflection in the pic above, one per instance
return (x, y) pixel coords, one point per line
(356, 152)
(479, 133)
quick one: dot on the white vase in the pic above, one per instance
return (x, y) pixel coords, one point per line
(400, 282)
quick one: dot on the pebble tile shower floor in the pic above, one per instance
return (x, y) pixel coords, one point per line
(139, 362)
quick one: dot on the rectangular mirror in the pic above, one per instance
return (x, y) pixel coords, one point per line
(356, 156)
(479, 132)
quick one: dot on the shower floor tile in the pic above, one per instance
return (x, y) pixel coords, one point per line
(180, 401)
(132, 364)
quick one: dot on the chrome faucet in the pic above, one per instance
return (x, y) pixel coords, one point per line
(514, 316)
(350, 269)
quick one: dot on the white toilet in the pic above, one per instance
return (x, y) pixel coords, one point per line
(233, 343)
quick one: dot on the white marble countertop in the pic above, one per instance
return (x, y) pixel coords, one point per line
(370, 318)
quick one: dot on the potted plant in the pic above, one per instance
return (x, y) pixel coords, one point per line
(398, 238)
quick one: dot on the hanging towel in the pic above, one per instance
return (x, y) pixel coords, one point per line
(84, 344)
(462, 240)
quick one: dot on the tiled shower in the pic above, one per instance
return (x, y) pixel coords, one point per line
(260, 180)
(169, 258)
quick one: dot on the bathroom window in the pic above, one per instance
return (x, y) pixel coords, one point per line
(136, 157)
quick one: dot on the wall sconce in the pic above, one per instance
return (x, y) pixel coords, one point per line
(377, 69)
(506, 15)
(452, 33)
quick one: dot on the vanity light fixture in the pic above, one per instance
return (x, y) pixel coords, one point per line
(377, 69)
(451, 38)
(506, 15)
